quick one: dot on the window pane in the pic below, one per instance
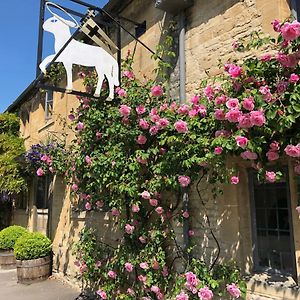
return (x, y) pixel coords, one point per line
(273, 240)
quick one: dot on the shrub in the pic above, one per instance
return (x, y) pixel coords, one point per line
(9, 235)
(32, 245)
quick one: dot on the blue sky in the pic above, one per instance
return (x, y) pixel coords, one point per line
(19, 37)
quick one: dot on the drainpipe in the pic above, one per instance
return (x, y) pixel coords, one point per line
(182, 73)
(182, 99)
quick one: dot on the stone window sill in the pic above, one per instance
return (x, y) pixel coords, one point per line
(47, 125)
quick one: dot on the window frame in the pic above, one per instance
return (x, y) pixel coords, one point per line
(256, 268)
(48, 113)
(295, 8)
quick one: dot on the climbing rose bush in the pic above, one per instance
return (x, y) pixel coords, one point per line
(131, 154)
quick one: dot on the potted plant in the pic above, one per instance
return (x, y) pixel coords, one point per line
(33, 254)
(8, 237)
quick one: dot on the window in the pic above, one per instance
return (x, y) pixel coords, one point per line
(271, 227)
(42, 190)
(295, 6)
(48, 105)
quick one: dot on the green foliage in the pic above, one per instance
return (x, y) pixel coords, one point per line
(9, 236)
(32, 245)
(9, 124)
(11, 149)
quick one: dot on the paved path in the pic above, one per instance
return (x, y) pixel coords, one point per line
(51, 289)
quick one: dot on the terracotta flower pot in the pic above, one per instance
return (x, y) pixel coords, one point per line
(34, 270)
(7, 259)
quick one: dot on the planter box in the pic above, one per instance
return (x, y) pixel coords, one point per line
(35, 270)
(7, 259)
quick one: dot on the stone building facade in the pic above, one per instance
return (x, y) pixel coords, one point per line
(243, 218)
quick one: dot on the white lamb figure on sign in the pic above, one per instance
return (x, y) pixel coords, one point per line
(80, 54)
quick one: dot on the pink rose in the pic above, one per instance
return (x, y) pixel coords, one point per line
(128, 74)
(218, 150)
(232, 103)
(163, 123)
(293, 78)
(80, 126)
(220, 100)
(141, 161)
(266, 57)
(157, 91)
(205, 293)
(290, 31)
(182, 296)
(102, 294)
(130, 292)
(74, 187)
(144, 266)
(129, 228)
(155, 289)
(272, 155)
(88, 160)
(143, 124)
(141, 109)
(191, 278)
(249, 155)
(129, 267)
(288, 61)
(191, 232)
(241, 141)
(112, 274)
(142, 278)
(159, 210)
(293, 151)
(184, 181)
(233, 70)
(195, 99)
(234, 180)
(274, 146)
(122, 93)
(153, 130)
(163, 107)
(245, 121)
(115, 212)
(153, 202)
(135, 208)
(88, 206)
(257, 118)
(142, 240)
(298, 209)
(98, 135)
(141, 140)
(219, 114)
(208, 91)
(39, 172)
(248, 103)
(183, 109)
(181, 126)
(276, 25)
(185, 214)
(233, 290)
(270, 176)
(124, 110)
(281, 87)
(233, 115)
(145, 195)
